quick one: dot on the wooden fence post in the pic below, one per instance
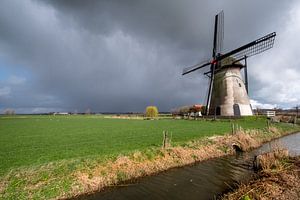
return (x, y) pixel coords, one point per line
(164, 139)
(232, 128)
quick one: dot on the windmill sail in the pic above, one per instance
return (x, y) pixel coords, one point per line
(218, 44)
(217, 47)
(195, 67)
(253, 48)
(221, 85)
(220, 33)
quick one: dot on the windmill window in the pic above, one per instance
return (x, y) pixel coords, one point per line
(240, 85)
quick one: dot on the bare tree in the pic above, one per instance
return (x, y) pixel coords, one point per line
(9, 111)
(88, 111)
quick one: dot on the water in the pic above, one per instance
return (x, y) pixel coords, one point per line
(205, 180)
(290, 142)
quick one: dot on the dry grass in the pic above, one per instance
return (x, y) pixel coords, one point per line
(124, 168)
(2, 186)
(245, 141)
(272, 160)
(138, 164)
(279, 178)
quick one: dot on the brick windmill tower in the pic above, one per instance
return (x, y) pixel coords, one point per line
(228, 92)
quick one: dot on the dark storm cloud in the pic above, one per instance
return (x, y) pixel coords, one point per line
(122, 55)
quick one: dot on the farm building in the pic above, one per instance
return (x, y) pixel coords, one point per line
(189, 111)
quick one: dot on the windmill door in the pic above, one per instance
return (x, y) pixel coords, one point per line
(218, 110)
(236, 110)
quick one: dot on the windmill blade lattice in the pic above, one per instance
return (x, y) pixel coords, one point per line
(253, 48)
(220, 33)
(195, 67)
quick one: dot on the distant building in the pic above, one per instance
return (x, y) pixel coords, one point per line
(189, 111)
(61, 113)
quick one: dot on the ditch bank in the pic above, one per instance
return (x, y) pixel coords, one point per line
(79, 178)
(124, 172)
(278, 178)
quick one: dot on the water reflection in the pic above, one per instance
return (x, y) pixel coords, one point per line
(205, 180)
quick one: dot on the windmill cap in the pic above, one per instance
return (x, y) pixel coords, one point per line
(230, 61)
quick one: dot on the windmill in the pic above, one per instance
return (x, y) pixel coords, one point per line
(227, 91)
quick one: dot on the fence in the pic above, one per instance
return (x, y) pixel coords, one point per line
(271, 113)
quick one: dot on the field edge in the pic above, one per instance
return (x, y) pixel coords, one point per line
(73, 178)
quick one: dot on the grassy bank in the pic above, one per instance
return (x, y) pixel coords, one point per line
(46, 157)
(278, 178)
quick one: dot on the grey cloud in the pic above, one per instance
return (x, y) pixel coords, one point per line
(122, 55)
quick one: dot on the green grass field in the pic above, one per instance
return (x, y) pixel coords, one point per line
(32, 140)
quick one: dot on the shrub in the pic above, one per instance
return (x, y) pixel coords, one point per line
(151, 111)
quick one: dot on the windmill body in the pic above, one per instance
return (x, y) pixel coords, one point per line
(229, 95)
(228, 91)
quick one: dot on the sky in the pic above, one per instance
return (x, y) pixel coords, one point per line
(123, 55)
